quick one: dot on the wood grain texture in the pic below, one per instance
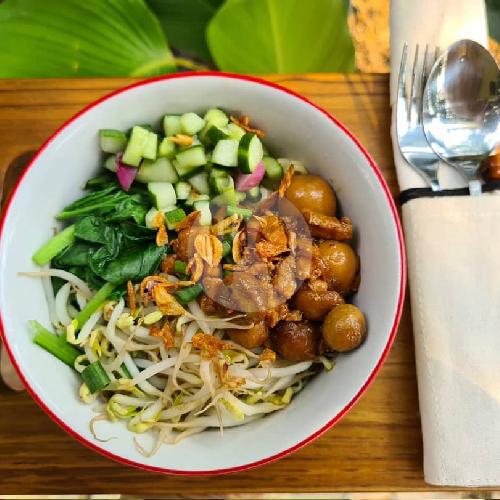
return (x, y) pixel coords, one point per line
(376, 447)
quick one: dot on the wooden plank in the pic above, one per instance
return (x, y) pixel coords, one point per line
(376, 447)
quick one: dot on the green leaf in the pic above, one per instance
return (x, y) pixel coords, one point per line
(185, 23)
(75, 255)
(133, 265)
(493, 9)
(281, 36)
(94, 230)
(61, 38)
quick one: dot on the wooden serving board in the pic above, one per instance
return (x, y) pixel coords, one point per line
(376, 447)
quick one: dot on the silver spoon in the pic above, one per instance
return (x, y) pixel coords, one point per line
(461, 108)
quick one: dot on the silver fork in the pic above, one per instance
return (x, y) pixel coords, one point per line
(411, 138)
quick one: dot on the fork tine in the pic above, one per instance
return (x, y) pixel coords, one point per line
(402, 74)
(425, 68)
(423, 82)
(414, 89)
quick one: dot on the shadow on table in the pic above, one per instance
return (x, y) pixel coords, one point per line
(15, 168)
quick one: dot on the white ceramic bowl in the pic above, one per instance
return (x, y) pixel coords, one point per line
(296, 129)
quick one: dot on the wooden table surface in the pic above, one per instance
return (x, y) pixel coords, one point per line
(376, 447)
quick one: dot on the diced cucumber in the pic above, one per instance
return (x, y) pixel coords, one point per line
(220, 171)
(235, 131)
(274, 170)
(220, 184)
(182, 190)
(217, 117)
(147, 126)
(211, 134)
(112, 141)
(110, 163)
(227, 197)
(254, 194)
(246, 213)
(162, 194)
(173, 217)
(298, 165)
(189, 160)
(151, 149)
(172, 125)
(136, 145)
(200, 182)
(225, 153)
(206, 215)
(191, 123)
(194, 197)
(240, 196)
(160, 170)
(249, 153)
(167, 148)
(195, 170)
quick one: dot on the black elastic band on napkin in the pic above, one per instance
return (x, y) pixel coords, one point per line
(413, 193)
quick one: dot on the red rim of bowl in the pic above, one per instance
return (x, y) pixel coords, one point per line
(351, 403)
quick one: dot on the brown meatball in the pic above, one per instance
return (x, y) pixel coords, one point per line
(251, 338)
(296, 341)
(340, 265)
(312, 192)
(315, 305)
(344, 328)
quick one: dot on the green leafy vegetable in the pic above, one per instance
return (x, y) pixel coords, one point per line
(184, 22)
(94, 229)
(100, 181)
(135, 233)
(132, 265)
(97, 203)
(281, 36)
(53, 38)
(112, 202)
(75, 255)
(135, 207)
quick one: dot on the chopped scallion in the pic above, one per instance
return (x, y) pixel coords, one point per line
(54, 344)
(93, 304)
(226, 248)
(95, 377)
(175, 216)
(246, 213)
(54, 246)
(188, 294)
(180, 267)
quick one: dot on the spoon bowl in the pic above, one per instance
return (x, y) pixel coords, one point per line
(461, 108)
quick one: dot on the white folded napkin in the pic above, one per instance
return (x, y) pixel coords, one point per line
(453, 252)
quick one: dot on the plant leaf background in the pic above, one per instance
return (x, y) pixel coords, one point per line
(60, 38)
(64, 38)
(281, 36)
(185, 22)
